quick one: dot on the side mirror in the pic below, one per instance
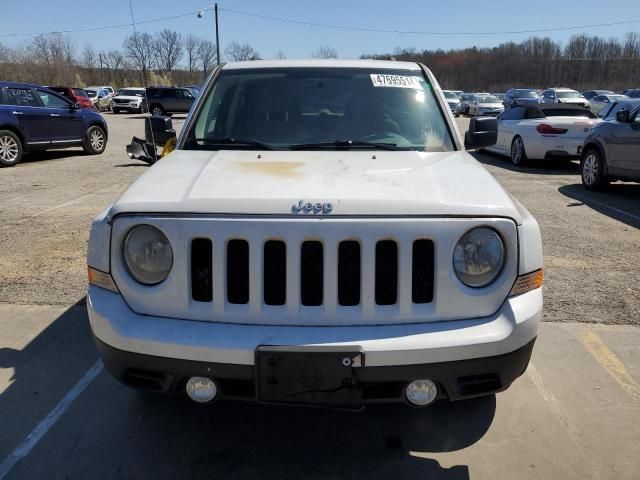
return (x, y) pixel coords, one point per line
(483, 132)
(622, 116)
(158, 130)
(75, 106)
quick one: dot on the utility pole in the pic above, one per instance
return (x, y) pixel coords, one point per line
(101, 75)
(215, 8)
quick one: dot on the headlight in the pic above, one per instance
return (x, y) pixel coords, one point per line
(478, 257)
(147, 254)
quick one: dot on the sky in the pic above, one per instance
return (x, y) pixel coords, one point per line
(299, 41)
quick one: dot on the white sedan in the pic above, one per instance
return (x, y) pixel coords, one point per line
(541, 131)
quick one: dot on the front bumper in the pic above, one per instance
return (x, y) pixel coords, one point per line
(466, 357)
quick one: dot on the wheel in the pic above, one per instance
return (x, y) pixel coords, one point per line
(115, 111)
(95, 141)
(592, 170)
(518, 154)
(157, 111)
(10, 148)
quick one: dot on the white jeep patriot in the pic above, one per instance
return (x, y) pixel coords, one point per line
(319, 236)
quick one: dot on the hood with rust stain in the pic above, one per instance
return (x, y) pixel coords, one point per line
(354, 182)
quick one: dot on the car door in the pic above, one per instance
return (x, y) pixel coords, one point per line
(624, 141)
(507, 124)
(33, 120)
(66, 122)
(185, 99)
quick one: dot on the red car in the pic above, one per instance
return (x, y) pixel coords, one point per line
(75, 95)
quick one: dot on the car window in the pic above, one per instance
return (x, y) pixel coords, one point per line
(611, 115)
(80, 92)
(515, 113)
(600, 98)
(603, 113)
(49, 100)
(289, 107)
(183, 93)
(568, 112)
(22, 97)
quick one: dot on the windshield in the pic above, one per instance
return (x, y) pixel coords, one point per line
(488, 99)
(334, 108)
(450, 95)
(79, 92)
(131, 93)
(569, 94)
(525, 94)
(91, 93)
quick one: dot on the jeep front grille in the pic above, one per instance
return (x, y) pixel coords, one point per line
(311, 276)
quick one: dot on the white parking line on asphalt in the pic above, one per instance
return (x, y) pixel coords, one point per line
(49, 421)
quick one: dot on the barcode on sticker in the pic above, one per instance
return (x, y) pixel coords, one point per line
(397, 81)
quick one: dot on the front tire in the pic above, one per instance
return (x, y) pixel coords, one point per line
(10, 148)
(592, 170)
(115, 111)
(518, 153)
(95, 141)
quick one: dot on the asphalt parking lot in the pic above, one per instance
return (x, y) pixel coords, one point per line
(574, 414)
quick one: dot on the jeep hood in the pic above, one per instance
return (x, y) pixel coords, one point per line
(354, 182)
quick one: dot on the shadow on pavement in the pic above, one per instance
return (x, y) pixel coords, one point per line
(620, 201)
(141, 164)
(32, 157)
(111, 431)
(552, 166)
(43, 372)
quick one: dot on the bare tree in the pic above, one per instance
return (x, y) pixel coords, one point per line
(280, 55)
(325, 52)
(191, 44)
(169, 51)
(240, 52)
(89, 57)
(139, 47)
(206, 54)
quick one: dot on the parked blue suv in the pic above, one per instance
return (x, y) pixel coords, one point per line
(36, 118)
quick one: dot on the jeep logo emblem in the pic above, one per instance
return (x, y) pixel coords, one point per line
(303, 207)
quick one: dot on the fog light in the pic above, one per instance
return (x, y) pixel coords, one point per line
(421, 392)
(201, 389)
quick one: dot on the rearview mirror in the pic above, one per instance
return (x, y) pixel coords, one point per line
(483, 132)
(158, 130)
(622, 116)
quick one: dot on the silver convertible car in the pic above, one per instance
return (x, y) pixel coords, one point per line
(612, 148)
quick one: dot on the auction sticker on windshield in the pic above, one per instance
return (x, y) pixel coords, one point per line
(398, 81)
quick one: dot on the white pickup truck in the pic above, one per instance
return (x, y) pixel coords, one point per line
(319, 236)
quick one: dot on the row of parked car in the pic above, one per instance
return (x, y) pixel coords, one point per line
(484, 103)
(599, 127)
(158, 100)
(36, 118)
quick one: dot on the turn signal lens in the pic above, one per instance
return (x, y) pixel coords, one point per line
(526, 283)
(101, 279)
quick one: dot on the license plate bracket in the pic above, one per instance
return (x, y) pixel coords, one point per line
(322, 376)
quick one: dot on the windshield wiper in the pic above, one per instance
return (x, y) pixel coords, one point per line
(346, 144)
(240, 142)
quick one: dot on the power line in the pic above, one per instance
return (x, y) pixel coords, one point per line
(326, 26)
(104, 27)
(420, 32)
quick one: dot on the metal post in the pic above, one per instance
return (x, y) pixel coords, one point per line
(217, 37)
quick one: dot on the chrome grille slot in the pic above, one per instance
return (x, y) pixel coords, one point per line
(349, 273)
(201, 270)
(311, 273)
(386, 272)
(422, 271)
(275, 272)
(238, 271)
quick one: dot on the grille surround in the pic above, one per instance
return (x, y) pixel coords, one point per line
(451, 300)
